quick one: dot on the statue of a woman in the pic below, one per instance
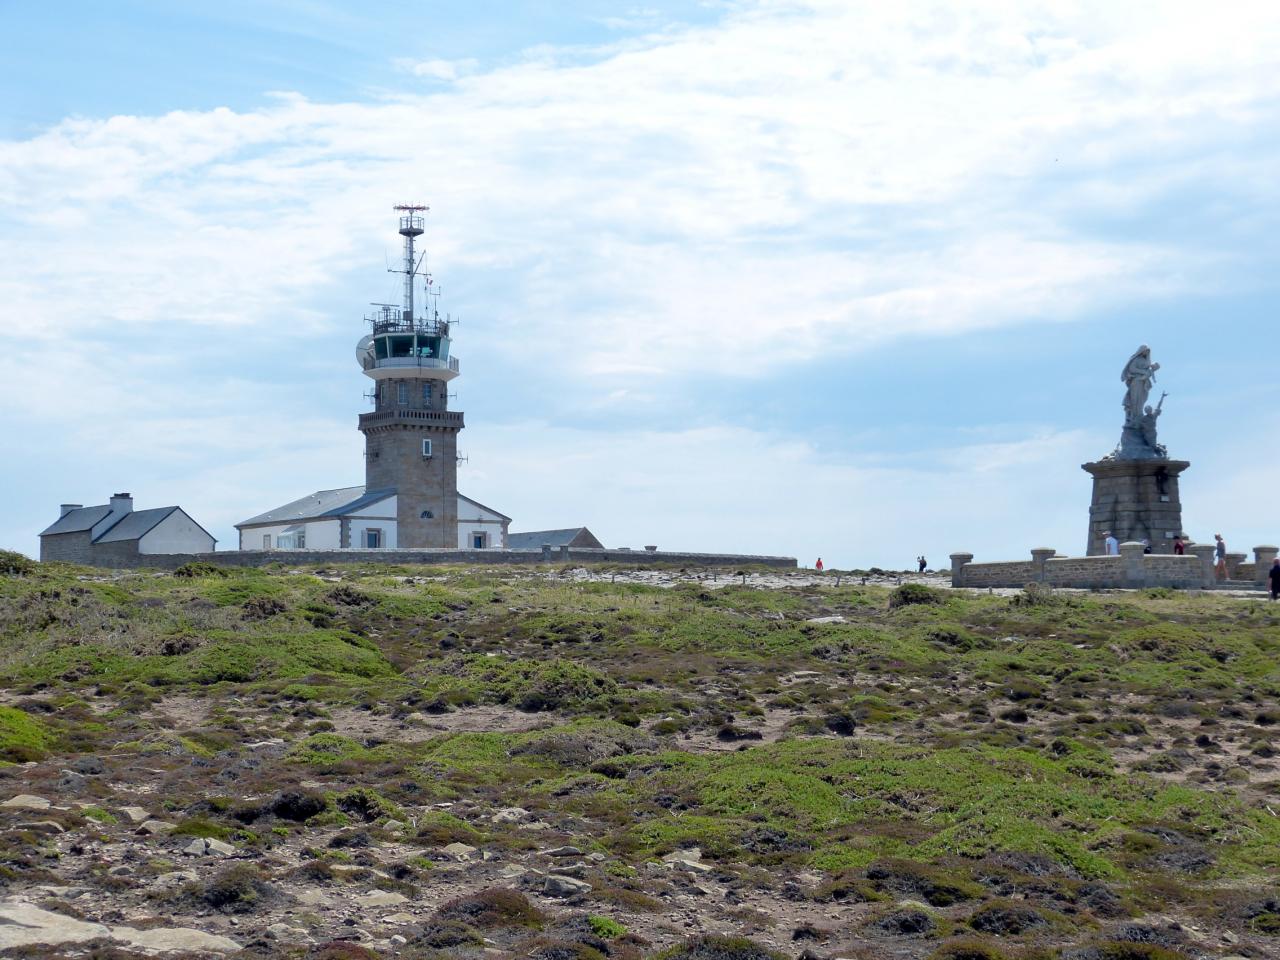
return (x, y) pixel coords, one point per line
(1138, 375)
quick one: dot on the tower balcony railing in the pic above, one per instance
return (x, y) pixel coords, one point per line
(425, 363)
(393, 321)
(439, 418)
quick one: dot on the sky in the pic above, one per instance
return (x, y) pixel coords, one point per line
(849, 280)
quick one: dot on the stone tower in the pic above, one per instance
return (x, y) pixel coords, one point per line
(411, 437)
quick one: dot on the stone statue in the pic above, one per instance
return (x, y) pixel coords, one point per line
(1147, 424)
(1138, 438)
(1138, 375)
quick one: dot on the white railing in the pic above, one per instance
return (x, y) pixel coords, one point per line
(429, 363)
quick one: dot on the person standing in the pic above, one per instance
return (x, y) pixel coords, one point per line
(1274, 575)
(1179, 546)
(1220, 557)
(1111, 544)
(818, 566)
(924, 564)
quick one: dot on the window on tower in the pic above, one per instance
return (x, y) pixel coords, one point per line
(426, 395)
(402, 394)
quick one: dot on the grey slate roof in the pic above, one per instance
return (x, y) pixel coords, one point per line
(77, 521)
(477, 503)
(135, 524)
(534, 539)
(322, 503)
(364, 500)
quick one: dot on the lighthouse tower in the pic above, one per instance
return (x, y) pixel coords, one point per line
(411, 437)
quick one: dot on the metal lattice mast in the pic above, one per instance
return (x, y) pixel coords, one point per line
(411, 227)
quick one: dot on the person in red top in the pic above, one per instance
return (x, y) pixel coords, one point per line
(1179, 548)
(818, 566)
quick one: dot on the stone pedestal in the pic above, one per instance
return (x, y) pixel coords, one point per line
(1263, 557)
(1039, 557)
(1205, 552)
(1136, 500)
(1131, 554)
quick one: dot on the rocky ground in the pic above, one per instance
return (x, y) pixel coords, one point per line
(372, 762)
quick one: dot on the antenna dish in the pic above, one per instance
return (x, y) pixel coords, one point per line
(364, 352)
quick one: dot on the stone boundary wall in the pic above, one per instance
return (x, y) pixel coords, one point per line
(1132, 569)
(1020, 572)
(259, 558)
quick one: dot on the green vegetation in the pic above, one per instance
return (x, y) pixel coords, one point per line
(1027, 771)
(22, 737)
(14, 564)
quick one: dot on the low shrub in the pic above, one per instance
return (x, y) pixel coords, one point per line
(492, 908)
(14, 564)
(966, 948)
(713, 947)
(443, 934)
(910, 594)
(298, 805)
(906, 877)
(365, 804)
(199, 568)
(1004, 919)
(239, 889)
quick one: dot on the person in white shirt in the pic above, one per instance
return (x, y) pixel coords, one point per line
(1111, 543)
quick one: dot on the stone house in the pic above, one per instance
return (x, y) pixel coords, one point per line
(114, 534)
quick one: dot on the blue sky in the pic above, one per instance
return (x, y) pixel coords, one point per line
(842, 279)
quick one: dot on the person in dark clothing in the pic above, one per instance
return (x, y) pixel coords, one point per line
(924, 564)
(1274, 575)
(1220, 557)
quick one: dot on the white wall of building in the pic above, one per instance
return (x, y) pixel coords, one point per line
(320, 535)
(176, 533)
(324, 534)
(475, 519)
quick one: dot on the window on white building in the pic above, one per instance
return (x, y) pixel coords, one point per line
(266, 541)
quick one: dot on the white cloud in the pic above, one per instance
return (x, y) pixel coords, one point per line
(862, 167)
(447, 70)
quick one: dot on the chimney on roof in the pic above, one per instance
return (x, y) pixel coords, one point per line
(121, 503)
(66, 508)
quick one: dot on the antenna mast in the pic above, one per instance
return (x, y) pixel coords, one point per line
(411, 227)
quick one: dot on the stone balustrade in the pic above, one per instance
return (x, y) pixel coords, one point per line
(1130, 570)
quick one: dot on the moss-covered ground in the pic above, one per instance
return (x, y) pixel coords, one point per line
(851, 770)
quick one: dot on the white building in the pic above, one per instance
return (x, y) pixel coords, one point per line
(349, 518)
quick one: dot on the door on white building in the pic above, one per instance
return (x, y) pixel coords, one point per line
(479, 541)
(373, 539)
